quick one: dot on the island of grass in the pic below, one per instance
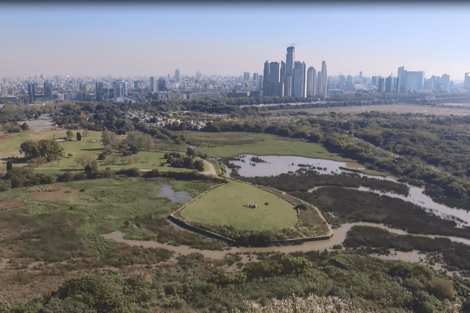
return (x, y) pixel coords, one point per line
(250, 215)
(242, 206)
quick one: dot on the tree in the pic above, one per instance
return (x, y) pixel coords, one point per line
(9, 166)
(25, 126)
(19, 176)
(191, 152)
(79, 136)
(42, 148)
(69, 134)
(109, 138)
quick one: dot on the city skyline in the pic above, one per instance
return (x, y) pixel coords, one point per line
(154, 40)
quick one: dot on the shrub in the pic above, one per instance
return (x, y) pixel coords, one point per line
(5, 185)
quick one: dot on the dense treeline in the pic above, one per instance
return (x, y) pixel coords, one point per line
(361, 206)
(303, 180)
(195, 282)
(23, 176)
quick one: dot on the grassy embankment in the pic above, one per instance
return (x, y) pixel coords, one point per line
(228, 205)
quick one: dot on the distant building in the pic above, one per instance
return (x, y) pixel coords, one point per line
(410, 81)
(414, 81)
(299, 79)
(246, 76)
(162, 84)
(389, 84)
(238, 94)
(324, 80)
(137, 84)
(288, 80)
(380, 84)
(119, 89)
(255, 76)
(153, 85)
(401, 80)
(31, 92)
(177, 75)
(48, 90)
(466, 82)
(374, 80)
(445, 81)
(99, 91)
(82, 87)
(311, 82)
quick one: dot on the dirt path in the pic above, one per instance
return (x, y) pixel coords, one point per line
(3, 263)
(211, 170)
(337, 239)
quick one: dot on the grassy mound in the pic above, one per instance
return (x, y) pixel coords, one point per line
(229, 205)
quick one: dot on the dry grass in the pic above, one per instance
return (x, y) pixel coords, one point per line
(42, 189)
(59, 194)
(11, 204)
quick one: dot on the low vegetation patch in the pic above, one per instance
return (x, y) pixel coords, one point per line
(10, 203)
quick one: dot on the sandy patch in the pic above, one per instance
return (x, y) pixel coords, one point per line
(114, 204)
(11, 204)
(59, 194)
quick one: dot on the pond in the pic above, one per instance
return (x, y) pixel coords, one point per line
(275, 165)
(167, 192)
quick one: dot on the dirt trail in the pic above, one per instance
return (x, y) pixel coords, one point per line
(3, 263)
(337, 239)
(211, 170)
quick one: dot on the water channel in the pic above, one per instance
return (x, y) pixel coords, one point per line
(276, 165)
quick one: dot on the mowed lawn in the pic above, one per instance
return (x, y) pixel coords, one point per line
(225, 205)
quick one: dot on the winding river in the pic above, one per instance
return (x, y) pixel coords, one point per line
(276, 165)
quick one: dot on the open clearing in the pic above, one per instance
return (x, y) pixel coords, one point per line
(227, 205)
(88, 146)
(225, 145)
(385, 108)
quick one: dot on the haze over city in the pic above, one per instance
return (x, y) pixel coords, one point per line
(153, 40)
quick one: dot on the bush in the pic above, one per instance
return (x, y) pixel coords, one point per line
(132, 172)
(5, 185)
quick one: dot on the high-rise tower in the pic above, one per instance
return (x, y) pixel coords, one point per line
(31, 92)
(288, 81)
(311, 82)
(324, 80)
(299, 79)
(47, 90)
(99, 91)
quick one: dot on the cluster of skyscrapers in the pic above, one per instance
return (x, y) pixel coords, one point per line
(293, 79)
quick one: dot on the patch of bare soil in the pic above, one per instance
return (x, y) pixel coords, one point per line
(54, 195)
(114, 204)
(11, 204)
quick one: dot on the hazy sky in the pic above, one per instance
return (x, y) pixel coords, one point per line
(146, 39)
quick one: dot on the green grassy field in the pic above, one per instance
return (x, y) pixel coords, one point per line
(103, 205)
(375, 173)
(225, 205)
(224, 145)
(90, 146)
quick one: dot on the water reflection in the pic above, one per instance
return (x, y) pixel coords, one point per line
(276, 165)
